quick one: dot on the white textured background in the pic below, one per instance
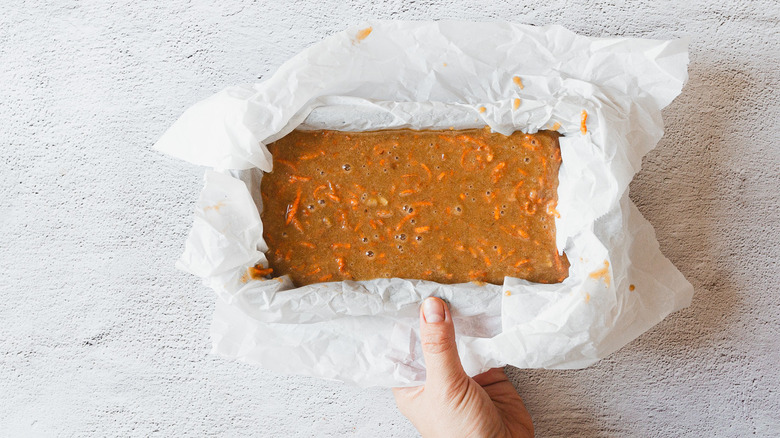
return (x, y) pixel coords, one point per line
(99, 335)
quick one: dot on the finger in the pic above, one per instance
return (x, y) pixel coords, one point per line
(491, 377)
(498, 387)
(437, 334)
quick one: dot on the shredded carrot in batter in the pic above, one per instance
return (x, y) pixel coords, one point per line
(291, 210)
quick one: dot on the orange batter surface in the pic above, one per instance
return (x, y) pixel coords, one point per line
(446, 206)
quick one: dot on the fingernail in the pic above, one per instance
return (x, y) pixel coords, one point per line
(433, 310)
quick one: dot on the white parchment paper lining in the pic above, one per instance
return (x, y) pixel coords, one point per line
(436, 75)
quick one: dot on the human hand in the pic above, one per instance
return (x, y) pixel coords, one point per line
(451, 404)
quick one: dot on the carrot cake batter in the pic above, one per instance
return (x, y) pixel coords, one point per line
(446, 206)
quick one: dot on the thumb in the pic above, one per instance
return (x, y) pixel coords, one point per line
(437, 334)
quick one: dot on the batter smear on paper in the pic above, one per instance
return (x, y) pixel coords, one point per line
(446, 206)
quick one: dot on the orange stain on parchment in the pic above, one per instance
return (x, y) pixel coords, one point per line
(602, 274)
(363, 33)
(214, 207)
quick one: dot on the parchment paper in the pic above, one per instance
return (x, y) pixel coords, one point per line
(436, 75)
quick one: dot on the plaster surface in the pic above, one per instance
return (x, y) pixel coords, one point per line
(101, 336)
